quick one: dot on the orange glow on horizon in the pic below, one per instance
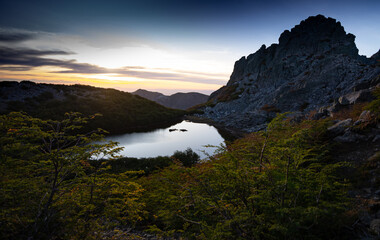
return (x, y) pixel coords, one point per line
(129, 84)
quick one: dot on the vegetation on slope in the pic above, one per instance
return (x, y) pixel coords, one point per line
(122, 112)
(282, 183)
(49, 190)
(278, 184)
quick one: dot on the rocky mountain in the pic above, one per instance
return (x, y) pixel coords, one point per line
(311, 66)
(177, 100)
(122, 112)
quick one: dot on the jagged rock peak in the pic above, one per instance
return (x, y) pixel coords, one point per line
(313, 64)
(315, 36)
(319, 34)
(376, 56)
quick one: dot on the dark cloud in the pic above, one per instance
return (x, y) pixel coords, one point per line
(30, 58)
(22, 59)
(14, 37)
(16, 68)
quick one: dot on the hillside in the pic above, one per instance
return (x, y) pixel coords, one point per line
(122, 112)
(308, 179)
(311, 67)
(308, 168)
(178, 100)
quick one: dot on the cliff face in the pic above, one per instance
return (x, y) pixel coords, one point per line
(177, 100)
(313, 64)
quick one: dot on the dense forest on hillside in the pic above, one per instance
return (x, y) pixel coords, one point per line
(281, 183)
(121, 111)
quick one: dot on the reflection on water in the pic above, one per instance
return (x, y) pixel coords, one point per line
(162, 142)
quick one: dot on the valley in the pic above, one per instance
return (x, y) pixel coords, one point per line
(303, 162)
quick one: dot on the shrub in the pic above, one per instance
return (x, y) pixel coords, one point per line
(188, 157)
(276, 184)
(270, 108)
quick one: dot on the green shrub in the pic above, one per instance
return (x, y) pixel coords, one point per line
(188, 157)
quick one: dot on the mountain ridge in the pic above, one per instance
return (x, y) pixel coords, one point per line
(312, 66)
(177, 101)
(122, 112)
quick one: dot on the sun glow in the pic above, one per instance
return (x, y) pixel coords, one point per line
(139, 65)
(111, 80)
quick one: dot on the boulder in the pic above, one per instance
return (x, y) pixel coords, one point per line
(359, 96)
(322, 113)
(335, 107)
(350, 137)
(365, 116)
(376, 138)
(358, 122)
(339, 127)
(375, 226)
(343, 100)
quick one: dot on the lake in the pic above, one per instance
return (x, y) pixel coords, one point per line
(162, 142)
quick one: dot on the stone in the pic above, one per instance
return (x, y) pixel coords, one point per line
(374, 157)
(358, 122)
(364, 217)
(375, 226)
(359, 96)
(322, 113)
(350, 137)
(335, 107)
(343, 100)
(318, 116)
(365, 116)
(339, 127)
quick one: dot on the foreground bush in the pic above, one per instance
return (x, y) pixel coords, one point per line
(49, 189)
(277, 184)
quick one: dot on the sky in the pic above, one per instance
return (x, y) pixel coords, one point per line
(158, 45)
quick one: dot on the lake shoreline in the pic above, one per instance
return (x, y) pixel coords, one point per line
(230, 134)
(165, 141)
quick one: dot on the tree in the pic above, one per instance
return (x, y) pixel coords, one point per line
(43, 163)
(188, 157)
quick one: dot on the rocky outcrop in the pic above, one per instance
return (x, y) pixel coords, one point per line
(177, 100)
(314, 64)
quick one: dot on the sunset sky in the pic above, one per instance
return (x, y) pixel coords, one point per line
(166, 46)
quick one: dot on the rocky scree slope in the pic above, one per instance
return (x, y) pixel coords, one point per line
(314, 64)
(178, 100)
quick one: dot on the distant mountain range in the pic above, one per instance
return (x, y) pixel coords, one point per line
(176, 101)
(122, 112)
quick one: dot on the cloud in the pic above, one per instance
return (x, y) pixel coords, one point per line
(15, 36)
(15, 68)
(23, 59)
(29, 58)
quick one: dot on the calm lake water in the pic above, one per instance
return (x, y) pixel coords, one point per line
(162, 142)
